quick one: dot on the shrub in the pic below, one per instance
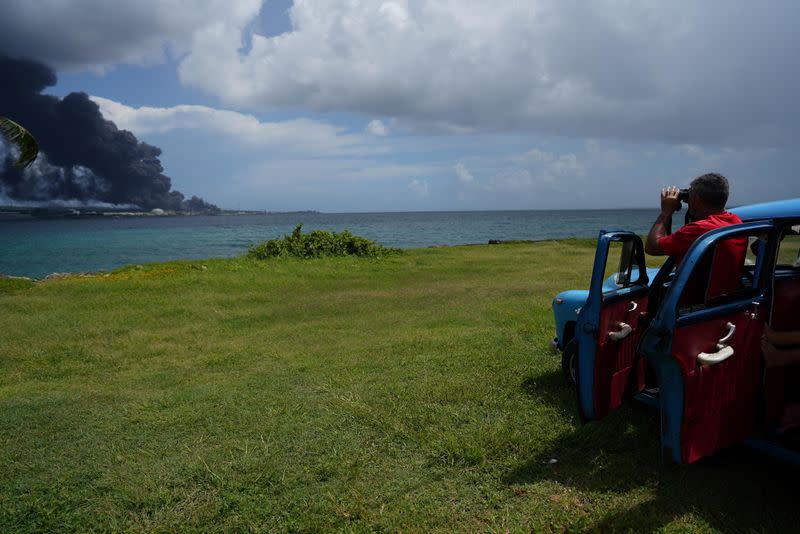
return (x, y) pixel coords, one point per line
(318, 244)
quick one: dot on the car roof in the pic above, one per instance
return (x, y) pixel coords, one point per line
(779, 209)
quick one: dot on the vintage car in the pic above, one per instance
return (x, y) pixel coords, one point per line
(723, 368)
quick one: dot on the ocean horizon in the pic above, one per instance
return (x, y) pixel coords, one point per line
(37, 247)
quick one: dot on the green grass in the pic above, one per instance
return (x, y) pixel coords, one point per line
(411, 393)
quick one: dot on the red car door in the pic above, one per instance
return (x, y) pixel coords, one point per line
(705, 342)
(608, 369)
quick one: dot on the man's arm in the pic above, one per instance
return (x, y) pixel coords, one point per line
(661, 228)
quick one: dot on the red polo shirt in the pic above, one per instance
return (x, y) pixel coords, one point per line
(726, 271)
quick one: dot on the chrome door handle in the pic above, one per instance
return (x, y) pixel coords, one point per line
(715, 357)
(724, 351)
(634, 305)
(729, 335)
(622, 333)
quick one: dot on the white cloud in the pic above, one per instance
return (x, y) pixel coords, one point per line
(566, 165)
(550, 165)
(600, 155)
(419, 187)
(377, 127)
(511, 180)
(682, 72)
(342, 172)
(307, 135)
(535, 154)
(644, 71)
(537, 170)
(692, 150)
(381, 170)
(328, 184)
(463, 174)
(717, 156)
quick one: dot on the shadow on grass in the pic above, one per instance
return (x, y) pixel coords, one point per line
(552, 387)
(620, 456)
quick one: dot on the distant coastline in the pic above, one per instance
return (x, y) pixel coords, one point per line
(59, 212)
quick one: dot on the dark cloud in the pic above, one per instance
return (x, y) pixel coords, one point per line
(86, 157)
(100, 33)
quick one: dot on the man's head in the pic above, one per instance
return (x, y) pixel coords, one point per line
(708, 194)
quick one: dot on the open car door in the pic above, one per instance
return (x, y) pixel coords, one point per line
(607, 368)
(705, 341)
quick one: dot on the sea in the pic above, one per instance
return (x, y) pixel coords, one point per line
(35, 247)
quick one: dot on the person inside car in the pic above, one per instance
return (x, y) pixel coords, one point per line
(708, 195)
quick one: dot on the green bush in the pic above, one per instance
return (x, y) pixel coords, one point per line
(318, 244)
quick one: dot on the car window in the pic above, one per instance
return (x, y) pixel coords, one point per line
(726, 272)
(789, 248)
(621, 269)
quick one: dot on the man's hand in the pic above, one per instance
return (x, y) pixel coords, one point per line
(661, 228)
(669, 200)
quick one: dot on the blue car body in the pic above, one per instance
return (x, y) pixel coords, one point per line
(627, 329)
(567, 304)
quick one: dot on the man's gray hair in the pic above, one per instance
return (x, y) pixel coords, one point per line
(712, 188)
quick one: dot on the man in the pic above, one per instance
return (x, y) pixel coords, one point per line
(708, 195)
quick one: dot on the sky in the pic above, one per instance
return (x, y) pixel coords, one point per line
(356, 106)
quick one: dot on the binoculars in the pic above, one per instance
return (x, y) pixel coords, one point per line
(683, 196)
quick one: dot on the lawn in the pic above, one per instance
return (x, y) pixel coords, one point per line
(413, 393)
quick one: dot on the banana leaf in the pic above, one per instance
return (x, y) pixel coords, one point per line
(16, 134)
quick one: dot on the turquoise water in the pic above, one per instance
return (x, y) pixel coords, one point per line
(37, 247)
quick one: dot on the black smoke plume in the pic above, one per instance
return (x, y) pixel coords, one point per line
(86, 157)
